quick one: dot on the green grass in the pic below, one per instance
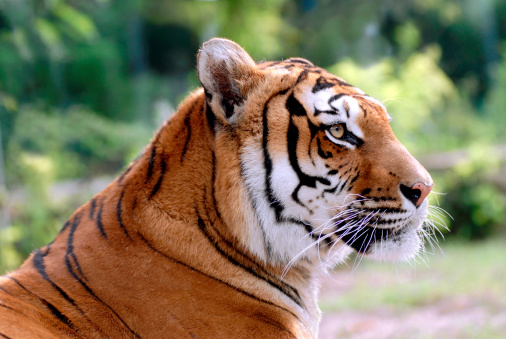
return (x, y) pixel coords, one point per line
(475, 270)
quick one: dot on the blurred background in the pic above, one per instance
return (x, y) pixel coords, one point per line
(84, 85)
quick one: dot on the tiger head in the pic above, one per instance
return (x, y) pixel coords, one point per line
(322, 172)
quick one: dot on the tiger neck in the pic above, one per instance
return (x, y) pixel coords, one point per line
(177, 200)
(201, 185)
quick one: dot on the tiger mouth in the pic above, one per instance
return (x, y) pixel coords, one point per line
(362, 237)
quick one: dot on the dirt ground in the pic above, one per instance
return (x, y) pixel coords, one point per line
(464, 316)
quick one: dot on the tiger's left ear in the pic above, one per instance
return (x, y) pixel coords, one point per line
(227, 73)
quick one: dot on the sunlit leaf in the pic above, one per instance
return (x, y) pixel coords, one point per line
(80, 23)
(21, 43)
(50, 37)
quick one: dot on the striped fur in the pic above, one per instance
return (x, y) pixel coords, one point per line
(221, 228)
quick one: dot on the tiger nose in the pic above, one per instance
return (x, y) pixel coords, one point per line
(416, 193)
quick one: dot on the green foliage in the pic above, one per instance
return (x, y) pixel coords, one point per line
(48, 146)
(37, 219)
(477, 204)
(69, 144)
(258, 26)
(478, 209)
(495, 101)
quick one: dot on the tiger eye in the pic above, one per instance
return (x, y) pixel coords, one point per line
(337, 131)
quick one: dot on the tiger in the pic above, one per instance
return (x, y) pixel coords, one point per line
(265, 177)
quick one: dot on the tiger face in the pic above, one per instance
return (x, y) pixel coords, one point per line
(322, 170)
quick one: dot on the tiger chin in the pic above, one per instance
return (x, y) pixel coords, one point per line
(263, 178)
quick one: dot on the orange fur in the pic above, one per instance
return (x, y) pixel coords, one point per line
(176, 246)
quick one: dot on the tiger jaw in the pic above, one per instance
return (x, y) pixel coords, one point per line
(397, 243)
(370, 233)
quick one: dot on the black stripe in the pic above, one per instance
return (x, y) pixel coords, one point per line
(8, 307)
(293, 139)
(57, 313)
(273, 201)
(363, 110)
(336, 97)
(38, 263)
(119, 214)
(302, 76)
(98, 220)
(352, 138)
(132, 164)
(214, 278)
(216, 208)
(93, 204)
(3, 289)
(160, 179)
(293, 106)
(65, 226)
(188, 135)
(211, 118)
(4, 336)
(365, 191)
(323, 83)
(321, 152)
(296, 109)
(353, 180)
(125, 172)
(70, 253)
(318, 112)
(287, 290)
(70, 246)
(331, 190)
(151, 163)
(343, 185)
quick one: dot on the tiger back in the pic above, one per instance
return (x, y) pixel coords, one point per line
(263, 179)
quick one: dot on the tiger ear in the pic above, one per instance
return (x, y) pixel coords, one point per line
(226, 72)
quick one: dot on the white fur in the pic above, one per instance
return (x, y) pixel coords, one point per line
(285, 239)
(409, 242)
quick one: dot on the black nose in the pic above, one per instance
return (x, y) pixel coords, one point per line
(416, 193)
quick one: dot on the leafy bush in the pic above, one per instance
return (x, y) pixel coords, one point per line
(74, 143)
(51, 145)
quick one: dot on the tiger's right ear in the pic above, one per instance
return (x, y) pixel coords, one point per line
(227, 73)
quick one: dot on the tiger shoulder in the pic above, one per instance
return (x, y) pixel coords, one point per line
(264, 178)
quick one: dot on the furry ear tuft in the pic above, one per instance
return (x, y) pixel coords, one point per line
(226, 72)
